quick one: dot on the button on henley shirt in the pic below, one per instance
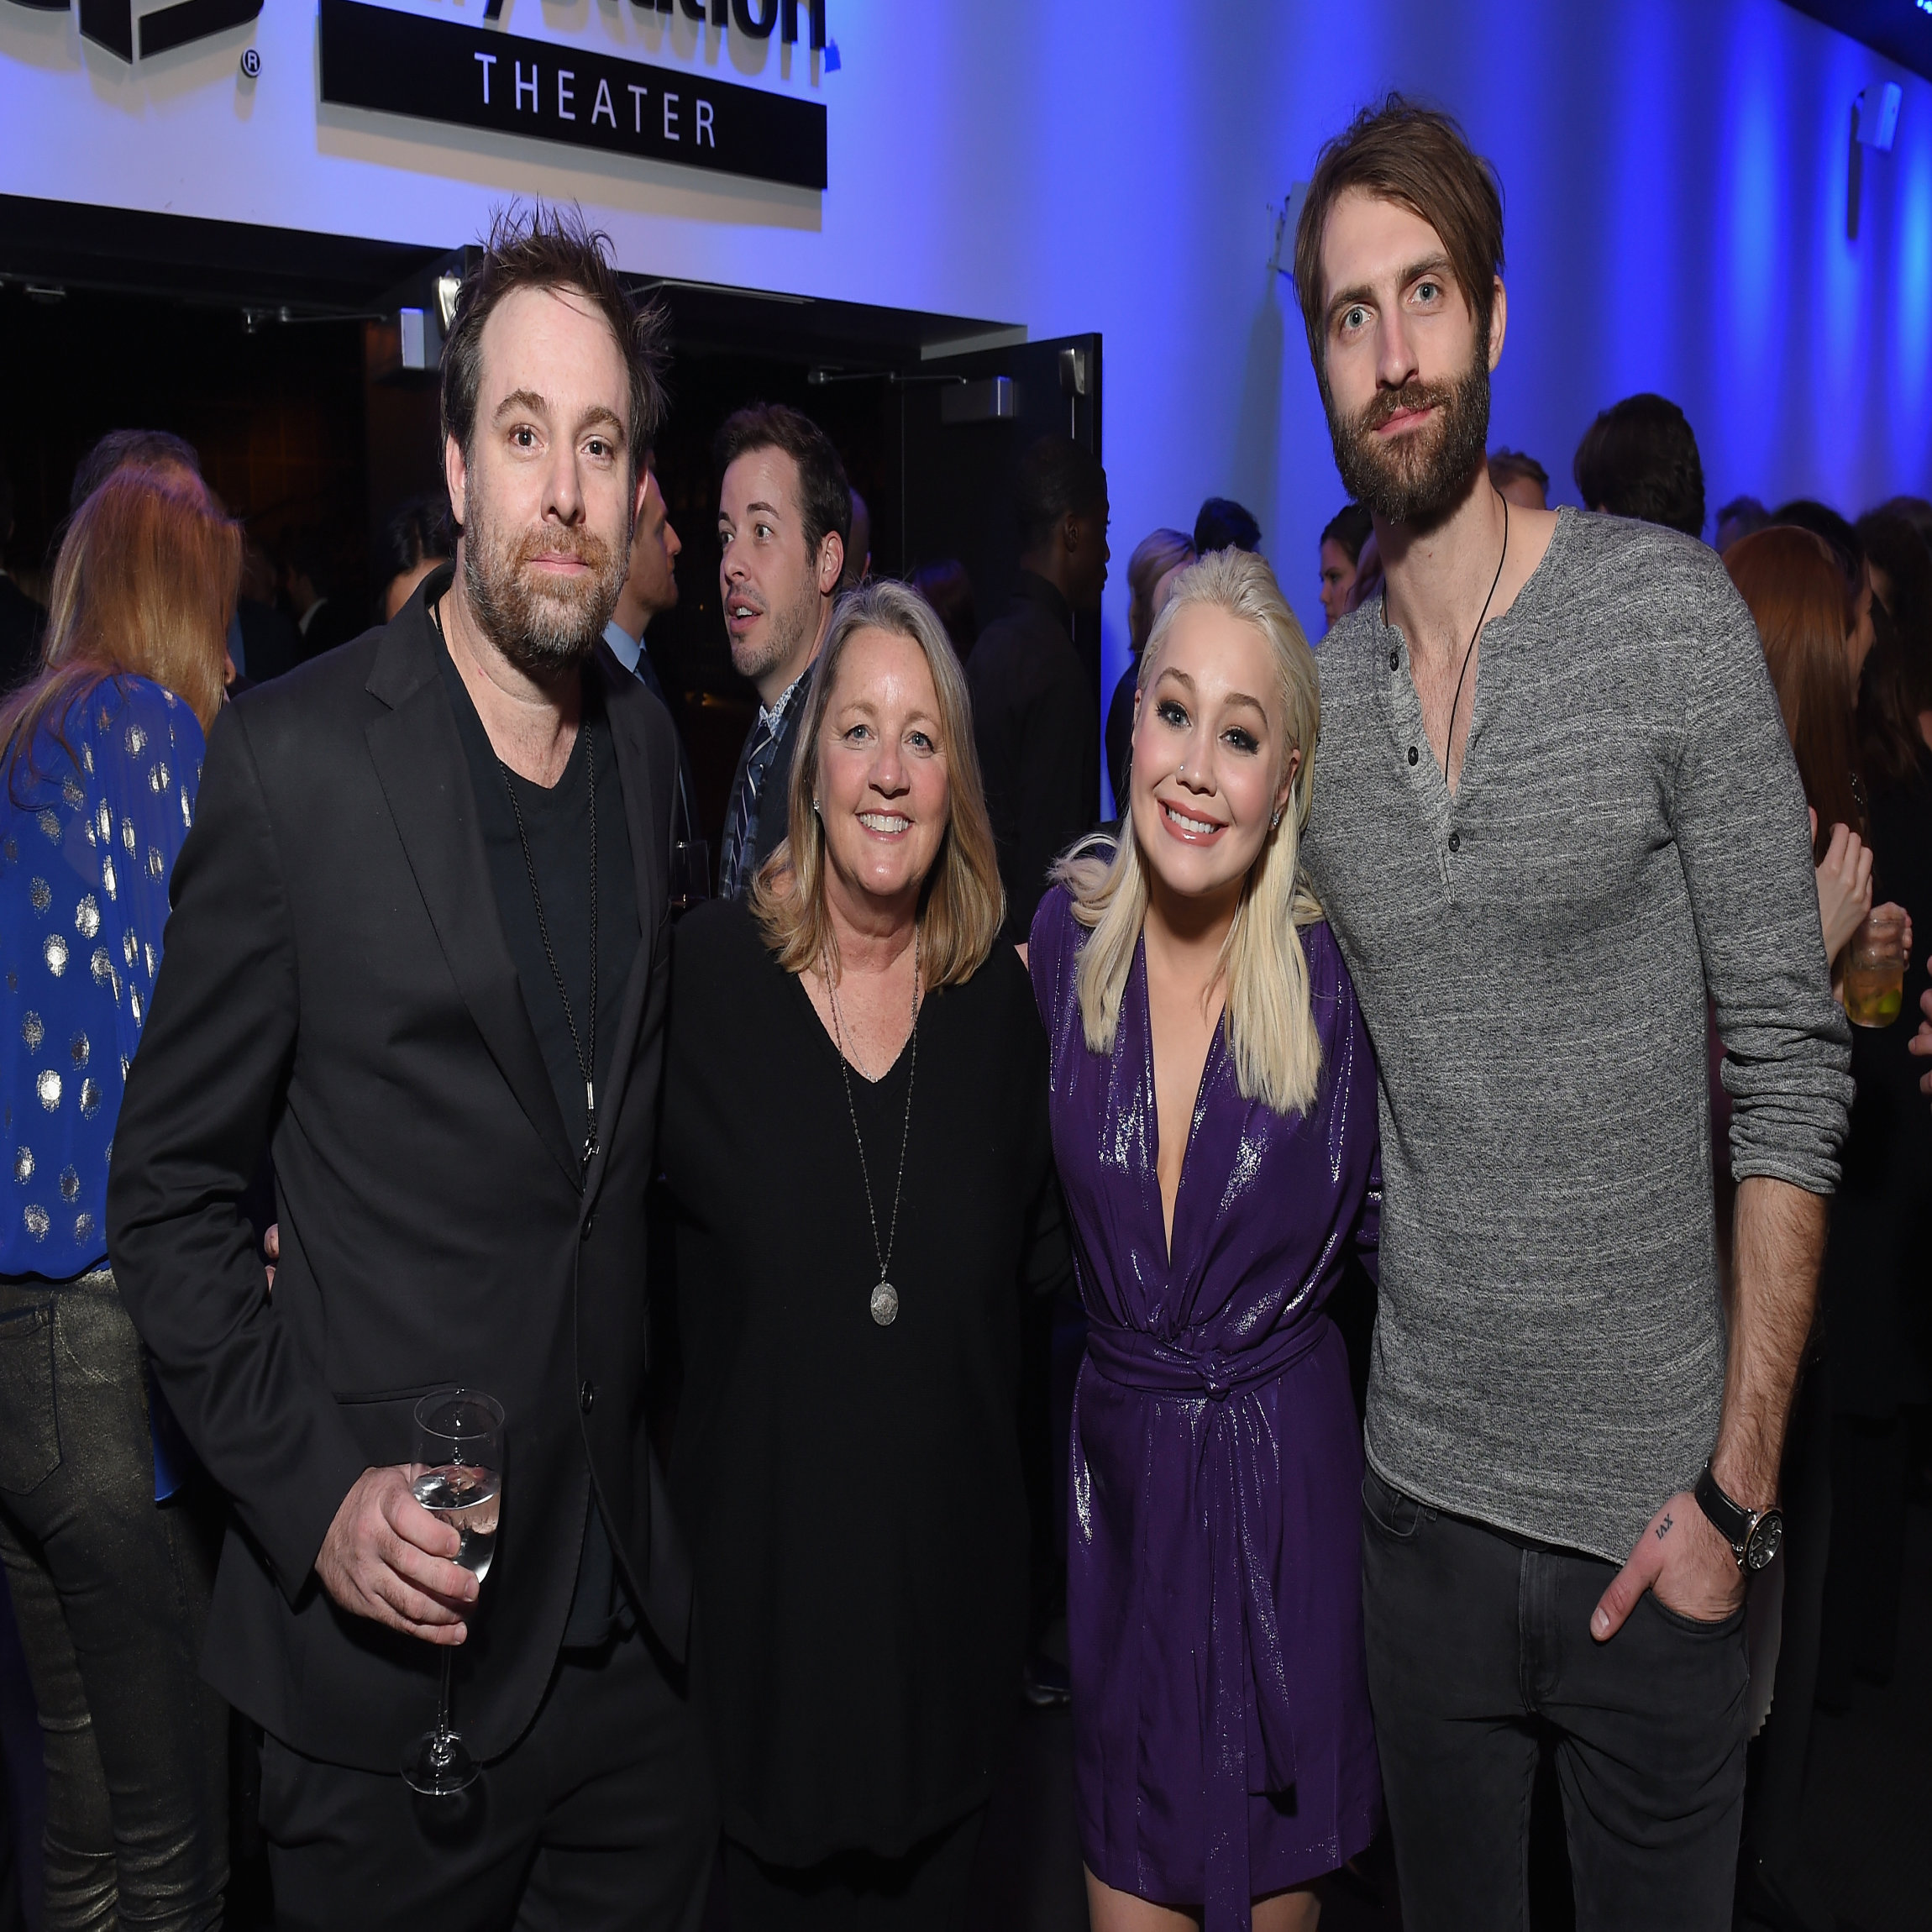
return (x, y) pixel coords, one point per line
(1532, 955)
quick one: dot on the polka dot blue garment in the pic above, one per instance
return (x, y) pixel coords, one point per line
(90, 829)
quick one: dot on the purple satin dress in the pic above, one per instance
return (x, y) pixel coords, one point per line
(1222, 1743)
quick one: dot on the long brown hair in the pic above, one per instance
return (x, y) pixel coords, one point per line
(1802, 608)
(1896, 686)
(144, 584)
(962, 904)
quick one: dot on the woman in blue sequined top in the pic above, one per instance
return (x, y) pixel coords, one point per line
(108, 1561)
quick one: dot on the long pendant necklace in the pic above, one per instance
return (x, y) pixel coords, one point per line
(884, 1296)
(1449, 742)
(587, 1063)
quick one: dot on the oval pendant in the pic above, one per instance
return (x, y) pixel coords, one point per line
(885, 1305)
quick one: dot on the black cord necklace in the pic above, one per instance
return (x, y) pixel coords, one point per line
(587, 1063)
(1449, 739)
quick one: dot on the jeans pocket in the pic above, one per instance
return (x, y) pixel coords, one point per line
(29, 1436)
(1696, 1626)
(1388, 1509)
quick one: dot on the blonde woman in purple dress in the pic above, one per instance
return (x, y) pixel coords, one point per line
(1214, 1120)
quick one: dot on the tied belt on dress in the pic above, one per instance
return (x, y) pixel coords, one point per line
(1247, 1725)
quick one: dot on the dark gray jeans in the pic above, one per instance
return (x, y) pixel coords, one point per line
(111, 1593)
(1479, 1644)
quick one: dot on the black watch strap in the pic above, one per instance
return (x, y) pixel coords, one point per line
(1732, 1519)
(1754, 1534)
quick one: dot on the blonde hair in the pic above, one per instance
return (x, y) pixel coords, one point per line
(145, 585)
(961, 904)
(1271, 1030)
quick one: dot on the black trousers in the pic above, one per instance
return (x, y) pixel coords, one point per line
(602, 1817)
(1479, 1645)
(110, 1593)
(925, 1890)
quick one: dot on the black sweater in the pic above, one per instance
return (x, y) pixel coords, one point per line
(853, 1493)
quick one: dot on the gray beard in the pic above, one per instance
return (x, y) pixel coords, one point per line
(1421, 478)
(545, 631)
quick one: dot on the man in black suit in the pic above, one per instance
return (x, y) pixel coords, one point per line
(322, 620)
(419, 949)
(22, 621)
(1036, 715)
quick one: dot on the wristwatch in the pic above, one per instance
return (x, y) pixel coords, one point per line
(1753, 1535)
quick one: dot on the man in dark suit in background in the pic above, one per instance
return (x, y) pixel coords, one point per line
(22, 621)
(785, 516)
(419, 950)
(1036, 715)
(650, 589)
(322, 620)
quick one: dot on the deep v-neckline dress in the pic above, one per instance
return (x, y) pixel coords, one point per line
(1223, 1746)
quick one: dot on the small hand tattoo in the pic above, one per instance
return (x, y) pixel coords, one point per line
(1663, 1529)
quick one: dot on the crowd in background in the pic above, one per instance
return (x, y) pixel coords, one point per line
(162, 610)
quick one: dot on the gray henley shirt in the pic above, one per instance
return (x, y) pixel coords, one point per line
(1532, 955)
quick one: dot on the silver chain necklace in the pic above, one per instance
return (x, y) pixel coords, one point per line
(884, 1296)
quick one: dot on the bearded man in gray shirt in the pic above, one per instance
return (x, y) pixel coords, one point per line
(1554, 806)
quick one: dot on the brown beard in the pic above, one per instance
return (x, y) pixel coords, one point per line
(1421, 476)
(541, 628)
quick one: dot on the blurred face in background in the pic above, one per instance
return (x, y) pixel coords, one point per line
(1525, 492)
(1337, 579)
(651, 586)
(403, 585)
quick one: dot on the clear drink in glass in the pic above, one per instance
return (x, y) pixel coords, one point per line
(456, 1473)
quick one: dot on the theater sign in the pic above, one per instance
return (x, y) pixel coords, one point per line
(479, 73)
(477, 77)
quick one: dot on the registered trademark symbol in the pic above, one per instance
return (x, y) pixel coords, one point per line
(251, 61)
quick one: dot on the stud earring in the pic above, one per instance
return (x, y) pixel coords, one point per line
(1274, 822)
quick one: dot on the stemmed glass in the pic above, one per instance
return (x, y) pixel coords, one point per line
(456, 1473)
(690, 874)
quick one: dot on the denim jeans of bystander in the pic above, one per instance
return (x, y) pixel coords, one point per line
(110, 1591)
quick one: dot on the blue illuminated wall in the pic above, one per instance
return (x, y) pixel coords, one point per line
(1674, 173)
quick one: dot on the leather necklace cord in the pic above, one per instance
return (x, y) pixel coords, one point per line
(1449, 737)
(586, 1064)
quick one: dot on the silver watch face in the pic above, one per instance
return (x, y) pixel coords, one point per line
(1765, 1539)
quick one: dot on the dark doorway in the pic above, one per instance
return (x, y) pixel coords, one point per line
(275, 353)
(931, 414)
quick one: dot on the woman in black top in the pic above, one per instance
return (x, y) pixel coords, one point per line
(856, 1136)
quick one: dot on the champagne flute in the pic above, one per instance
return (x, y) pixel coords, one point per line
(690, 874)
(456, 1473)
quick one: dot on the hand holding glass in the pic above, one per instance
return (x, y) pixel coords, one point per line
(1875, 969)
(456, 1473)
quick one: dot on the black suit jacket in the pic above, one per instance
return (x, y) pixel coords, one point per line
(22, 621)
(1037, 728)
(337, 988)
(336, 621)
(774, 803)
